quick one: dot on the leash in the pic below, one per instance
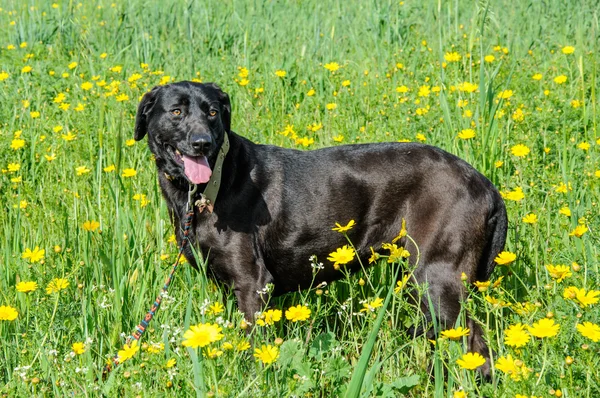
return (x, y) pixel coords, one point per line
(141, 327)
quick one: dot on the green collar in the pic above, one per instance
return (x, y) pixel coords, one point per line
(209, 196)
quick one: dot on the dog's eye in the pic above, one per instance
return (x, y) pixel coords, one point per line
(176, 112)
(212, 112)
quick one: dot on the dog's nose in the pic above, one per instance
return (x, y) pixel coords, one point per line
(201, 142)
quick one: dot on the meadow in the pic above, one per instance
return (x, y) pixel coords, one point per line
(86, 241)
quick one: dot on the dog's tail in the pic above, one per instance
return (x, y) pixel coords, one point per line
(496, 228)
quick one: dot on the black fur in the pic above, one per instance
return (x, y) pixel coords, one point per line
(276, 206)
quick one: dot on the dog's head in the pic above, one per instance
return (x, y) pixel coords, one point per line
(185, 123)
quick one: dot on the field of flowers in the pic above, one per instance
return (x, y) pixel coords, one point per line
(86, 242)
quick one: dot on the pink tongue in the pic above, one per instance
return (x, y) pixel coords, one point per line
(197, 169)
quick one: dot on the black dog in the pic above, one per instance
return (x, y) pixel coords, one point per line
(276, 207)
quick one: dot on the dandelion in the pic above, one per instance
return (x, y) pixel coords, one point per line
(514, 195)
(589, 330)
(78, 348)
(452, 57)
(91, 226)
(332, 66)
(370, 306)
(471, 361)
(201, 335)
(466, 134)
(515, 368)
(341, 256)
(266, 354)
(26, 287)
(565, 211)
(456, 334)
(346, 228)
(579, 231)
(297, 313)
(34, 256)
(269, 317)
(515, 336)
(17, 143)
(81, 170)
(520, 150)
(8, 313)
(505, 258)
(558, 272)
(128, 351)
(560, 79)
(129, 173)
(544, 328)
(56, 285)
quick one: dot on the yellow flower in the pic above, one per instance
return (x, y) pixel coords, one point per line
(578, 231)
(26, 287)
(244, 82)
(216, 308)
(455, 334)
(471, 361)
(515, 368)
(331, 106)
(401, 284)
(128, 351)
(396, 253)
(8, 313)
(370, 306)
(581, 296)
(466, 134)
(346, 83)
(26, 69)
(116, 69)
(537, 76)
(558, 272)
(584, 146)
(266, 354)
(565, 211)
(347, 227)
(81, 170)
(201, 335)
(109, 169)
(56, 285)
(589, 330)
(122, 97)
(515, 195)
(530, 218)
(4, 75)
(424, 91)
(91, 226)
(155, 348)
(341, 256)
(452, 57)
(297, 313)
(332, 66)
(87, 86)
(17, 143)
(482, 286)
(280, 73)
(505, 258)
(544, 328)
(170, 363)
(78, 348)
(242, 346)
(560, 79)
(34, 256)
(269, 317)
(402, 89)
(129, 173)
(515, 336)
(459, 394)
(212, 353)
(505, 94)
(489, 58)
(498, 163)
(520, 150)
(467, 87)
(310, 92)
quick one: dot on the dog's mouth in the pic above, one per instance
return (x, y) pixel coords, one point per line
(195, 168)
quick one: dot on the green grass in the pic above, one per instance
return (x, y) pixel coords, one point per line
(115, 271)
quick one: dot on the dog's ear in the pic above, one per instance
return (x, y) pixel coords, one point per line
(144, 108)
(226, 105)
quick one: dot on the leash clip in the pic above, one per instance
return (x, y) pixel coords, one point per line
(191, 192)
